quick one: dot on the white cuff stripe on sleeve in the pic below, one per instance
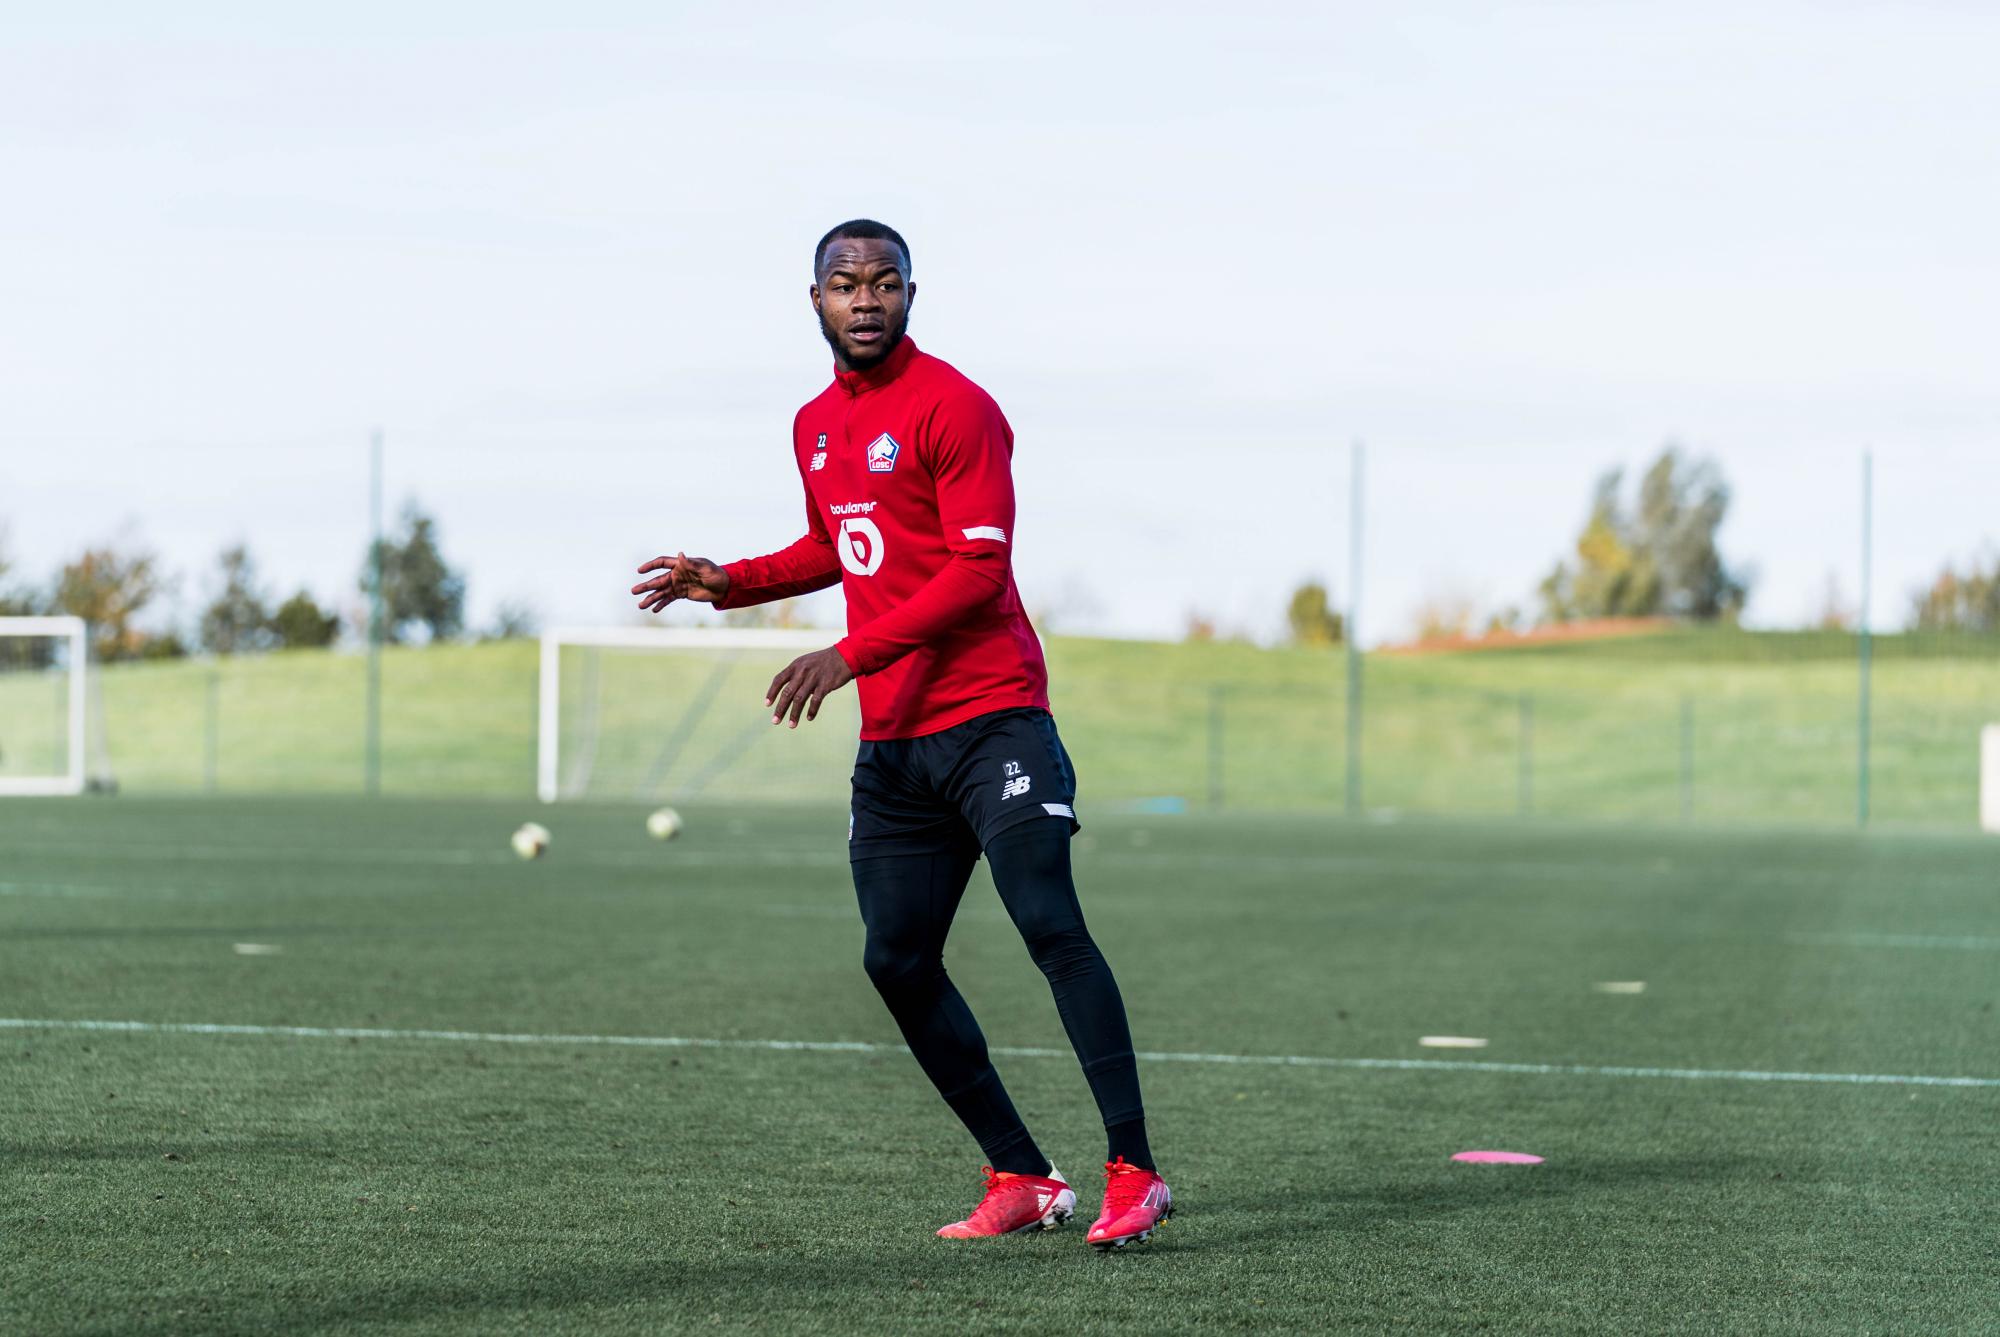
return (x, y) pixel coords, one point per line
(1059, 810)
(994, 532)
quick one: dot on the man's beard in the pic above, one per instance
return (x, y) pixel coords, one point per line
(891, 336)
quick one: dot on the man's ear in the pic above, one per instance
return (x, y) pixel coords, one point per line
(911, 300)
(812, 291)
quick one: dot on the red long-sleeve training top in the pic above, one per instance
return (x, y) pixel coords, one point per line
(910, 504)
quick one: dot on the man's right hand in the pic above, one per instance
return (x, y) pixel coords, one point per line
(681, 577)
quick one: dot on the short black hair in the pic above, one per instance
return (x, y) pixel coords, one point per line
(862, 229)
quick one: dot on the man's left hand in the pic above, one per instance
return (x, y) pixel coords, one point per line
(802, 684)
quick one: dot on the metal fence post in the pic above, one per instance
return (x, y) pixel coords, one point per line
(1215, 746)
(1867, 649)
(1687, 758)
(211, 745)
(372, 740)
(1353, 632)
(1525, 789)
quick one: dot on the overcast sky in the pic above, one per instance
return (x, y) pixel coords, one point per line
(560, 254)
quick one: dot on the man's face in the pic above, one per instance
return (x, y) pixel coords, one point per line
(863, 300)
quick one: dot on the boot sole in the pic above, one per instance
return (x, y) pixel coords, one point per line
(1106, 1246)
(1055, 1216)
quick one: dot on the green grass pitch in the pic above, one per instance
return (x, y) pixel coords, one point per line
(172, 1182)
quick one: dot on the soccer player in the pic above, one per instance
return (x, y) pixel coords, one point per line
(910, 505)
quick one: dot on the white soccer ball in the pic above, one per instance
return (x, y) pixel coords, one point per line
(664, 824)
(531, 840)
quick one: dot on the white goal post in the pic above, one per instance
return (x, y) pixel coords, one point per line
(24, 707)
(549, 754)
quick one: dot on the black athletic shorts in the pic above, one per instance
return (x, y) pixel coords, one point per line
(960, 786)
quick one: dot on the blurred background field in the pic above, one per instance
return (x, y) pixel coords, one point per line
(1656, 724)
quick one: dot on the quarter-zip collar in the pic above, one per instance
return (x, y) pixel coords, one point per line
(854, 383)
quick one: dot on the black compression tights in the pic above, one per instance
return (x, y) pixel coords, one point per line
(907, 902)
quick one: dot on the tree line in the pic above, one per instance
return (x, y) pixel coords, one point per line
(1654, 552)
(119, 591)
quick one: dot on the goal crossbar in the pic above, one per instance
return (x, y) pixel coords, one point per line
(73, 630)
(549, 699)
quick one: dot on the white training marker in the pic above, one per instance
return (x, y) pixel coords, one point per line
(1497, 1158)
(1451, 1042)
(258, 949)
(1619, 986)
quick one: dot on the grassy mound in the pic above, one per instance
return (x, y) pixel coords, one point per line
(1709, 723)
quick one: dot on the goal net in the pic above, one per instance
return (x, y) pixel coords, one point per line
(44, 663)
(673, 714)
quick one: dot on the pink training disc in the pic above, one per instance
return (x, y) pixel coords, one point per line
(1497, 1158)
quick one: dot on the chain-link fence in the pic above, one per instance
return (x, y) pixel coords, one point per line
(1852, 687)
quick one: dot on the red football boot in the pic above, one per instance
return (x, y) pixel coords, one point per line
(1135, 1201)
(1014, 1203)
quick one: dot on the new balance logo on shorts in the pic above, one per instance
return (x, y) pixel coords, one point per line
(1017, 783)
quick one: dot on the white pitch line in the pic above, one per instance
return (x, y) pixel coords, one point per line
(56, 891)
(869, 1047)
(474, 859)
(1968, 944)
(65, 891)
(1483, 871)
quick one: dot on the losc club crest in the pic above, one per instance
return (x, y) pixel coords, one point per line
(882, 453)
